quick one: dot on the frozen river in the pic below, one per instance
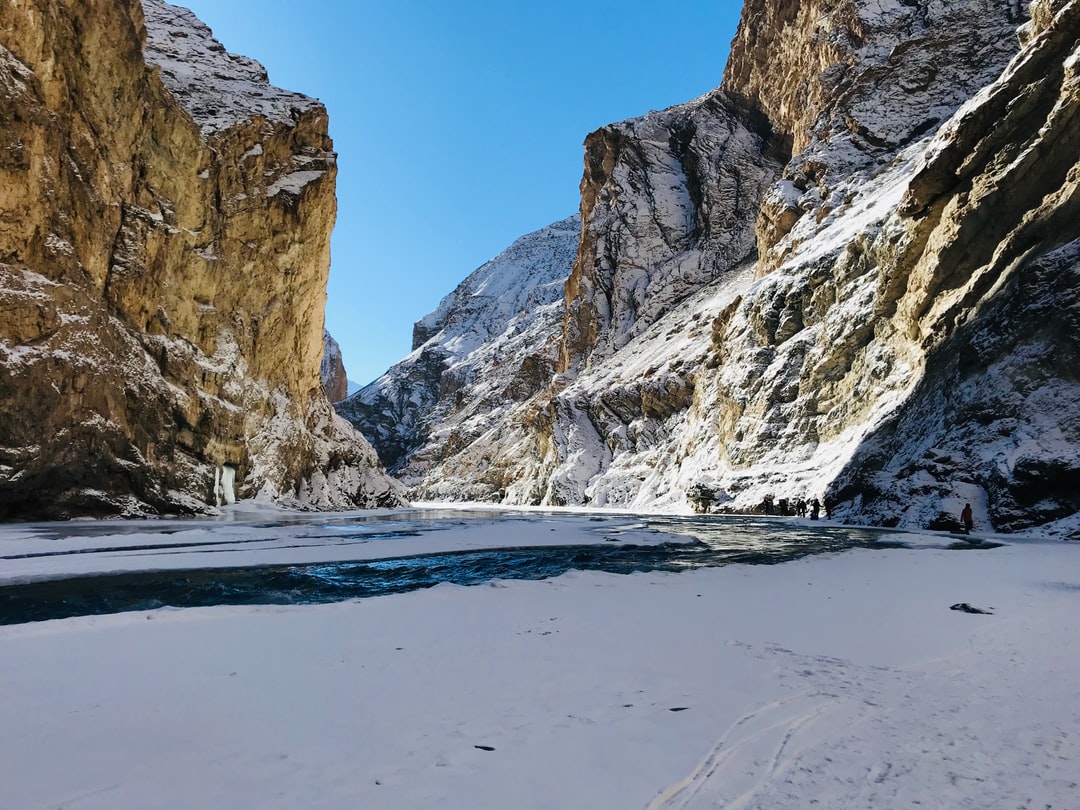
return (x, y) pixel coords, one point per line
(58, 570)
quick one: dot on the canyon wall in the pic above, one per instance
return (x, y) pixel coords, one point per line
(986, 283)
(849, 272)
(165, 216)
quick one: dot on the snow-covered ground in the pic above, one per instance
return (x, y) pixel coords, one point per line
(838, 681)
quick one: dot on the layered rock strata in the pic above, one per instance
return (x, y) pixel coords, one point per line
(164, 245)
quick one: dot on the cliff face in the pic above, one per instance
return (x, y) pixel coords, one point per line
(986, 282)
(866, 73)
(668, 205)
(851, 84)
(164, 244)
(878, 255)
(850, 271)
(921, 304)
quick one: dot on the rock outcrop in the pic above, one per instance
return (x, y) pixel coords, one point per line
(851, 271)
(668, 205)
(165, 217)
(335, 381)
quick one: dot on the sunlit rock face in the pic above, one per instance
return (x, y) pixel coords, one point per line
(986, 282)
(851, 272)
(165, 217)
(853, 83)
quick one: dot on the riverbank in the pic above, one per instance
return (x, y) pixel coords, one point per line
(841, 680)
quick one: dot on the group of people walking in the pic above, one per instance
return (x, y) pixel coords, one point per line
(799, 507)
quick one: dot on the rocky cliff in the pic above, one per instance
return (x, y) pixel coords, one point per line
(668, 206)
(982, 284)
(848, 272)
(164, 244)
(335, 381)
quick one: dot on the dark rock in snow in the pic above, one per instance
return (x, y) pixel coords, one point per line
(964, 607)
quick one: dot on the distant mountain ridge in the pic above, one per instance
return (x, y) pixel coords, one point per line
(335, 382)
(850, 272)
(490, 343)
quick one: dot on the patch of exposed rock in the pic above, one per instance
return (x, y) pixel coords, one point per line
(164, 243)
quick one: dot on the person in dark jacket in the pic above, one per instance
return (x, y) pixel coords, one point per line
(967, 519)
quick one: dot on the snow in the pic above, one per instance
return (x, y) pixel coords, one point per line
(293, 183)
(58, 244)
(835, 681)
(218, 89)
(501, 298)
(876, 199)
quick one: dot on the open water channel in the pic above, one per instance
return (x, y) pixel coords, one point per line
(680, 543)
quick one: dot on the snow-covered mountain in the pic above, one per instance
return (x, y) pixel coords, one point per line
(850, 272)
(490, 345)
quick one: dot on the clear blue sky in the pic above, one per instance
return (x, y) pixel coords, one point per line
(459, 125)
